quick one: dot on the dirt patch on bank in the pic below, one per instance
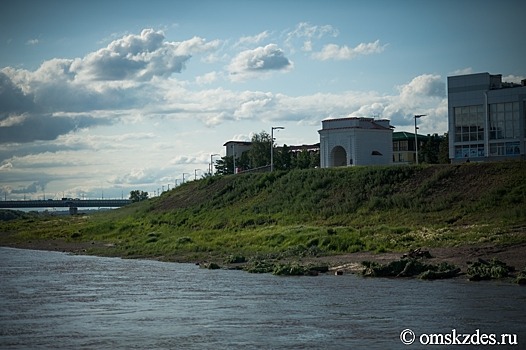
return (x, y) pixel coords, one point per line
(512, 255)
(57, 245)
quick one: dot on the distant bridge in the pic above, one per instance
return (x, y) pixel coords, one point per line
(72, 204)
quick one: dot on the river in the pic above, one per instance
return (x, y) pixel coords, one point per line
(62, 301)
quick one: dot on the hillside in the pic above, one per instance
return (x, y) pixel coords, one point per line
(307, 212)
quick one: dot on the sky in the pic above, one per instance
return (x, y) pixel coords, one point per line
(98, 98)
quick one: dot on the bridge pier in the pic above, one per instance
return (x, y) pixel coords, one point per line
(73, 210)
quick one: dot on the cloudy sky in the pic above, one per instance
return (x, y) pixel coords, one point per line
(109, 96)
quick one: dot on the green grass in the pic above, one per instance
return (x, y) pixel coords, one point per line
(314, 211)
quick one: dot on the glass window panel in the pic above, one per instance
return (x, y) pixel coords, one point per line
(480, 119)
(481, 150)
(500, 149)
(492, 149)
(458, 134)
(493, 123)
(509, 131)
(492, 134)
(459, 119)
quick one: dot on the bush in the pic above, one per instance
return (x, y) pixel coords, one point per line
(486, 270)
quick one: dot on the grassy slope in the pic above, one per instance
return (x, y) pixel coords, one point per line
(327, 211)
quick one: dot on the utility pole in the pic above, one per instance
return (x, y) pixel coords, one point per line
(272, 145)
(234, 156)
(416, 137)
(212, 163)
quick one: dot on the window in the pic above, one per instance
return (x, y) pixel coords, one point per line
(504, 120)
(505, 149)
(469, 151)
(513, 148)
(469, 123)
(496, 149)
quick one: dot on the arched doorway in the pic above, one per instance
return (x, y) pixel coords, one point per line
(338, 156)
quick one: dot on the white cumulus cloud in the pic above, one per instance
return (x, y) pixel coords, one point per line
(261, 60)
(336, 52)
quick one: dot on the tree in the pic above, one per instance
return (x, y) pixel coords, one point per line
(282, 158)
(137, 196)
(435, 150)
(225, 165)
(259, 153)
(443, 150)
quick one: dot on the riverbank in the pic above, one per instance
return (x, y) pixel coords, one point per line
(338, 217)
(512, 255)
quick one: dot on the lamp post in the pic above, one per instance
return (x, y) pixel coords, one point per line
(416, 137)
(212, 163)
(272, 145)
(184, 175)
(234, 156)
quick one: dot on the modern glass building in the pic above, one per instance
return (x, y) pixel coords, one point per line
(487, 118)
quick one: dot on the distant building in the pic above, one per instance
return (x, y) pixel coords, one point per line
(315, 148)
(487, 118)
(237, 148)
(355, 141)
(404, 151)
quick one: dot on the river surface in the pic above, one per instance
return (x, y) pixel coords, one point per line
(61, 301)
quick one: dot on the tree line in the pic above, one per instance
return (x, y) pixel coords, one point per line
(258, 156)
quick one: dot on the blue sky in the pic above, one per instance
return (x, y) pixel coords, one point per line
(119, 95)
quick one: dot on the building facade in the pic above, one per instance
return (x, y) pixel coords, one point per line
(236, 148)
(487, 118)
(355, 141)
(404, 150)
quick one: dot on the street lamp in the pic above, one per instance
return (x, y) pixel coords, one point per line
(234, 156)
(416, 137)
(184, 175)
(272, 145)
(212, 163)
